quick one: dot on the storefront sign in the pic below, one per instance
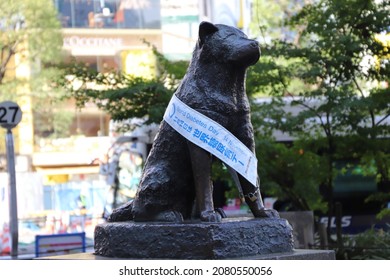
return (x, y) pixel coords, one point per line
(78, 41)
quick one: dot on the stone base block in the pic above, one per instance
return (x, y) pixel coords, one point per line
(232, 238)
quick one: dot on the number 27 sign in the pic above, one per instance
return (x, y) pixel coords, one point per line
(10, 114)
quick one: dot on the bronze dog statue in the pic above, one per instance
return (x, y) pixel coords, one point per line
(177, 172)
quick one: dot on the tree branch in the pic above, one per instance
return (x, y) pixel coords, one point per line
(4, 63)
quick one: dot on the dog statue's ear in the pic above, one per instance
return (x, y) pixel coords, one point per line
(205, 29)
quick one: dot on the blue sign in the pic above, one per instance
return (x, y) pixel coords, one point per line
(59, 244)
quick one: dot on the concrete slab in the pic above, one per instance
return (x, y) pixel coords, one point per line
(294, 255)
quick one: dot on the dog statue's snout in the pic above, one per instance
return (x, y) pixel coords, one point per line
(254, 44)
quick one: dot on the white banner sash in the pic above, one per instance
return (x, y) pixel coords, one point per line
(213, 137)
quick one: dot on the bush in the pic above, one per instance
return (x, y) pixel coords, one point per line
(373, 244)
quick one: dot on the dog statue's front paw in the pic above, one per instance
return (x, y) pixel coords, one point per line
(266, 213)
(122, 213)
(210, 217)
(169, 216)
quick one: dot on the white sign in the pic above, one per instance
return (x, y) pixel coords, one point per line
(76, 41)
(10, 114)
(212, 137)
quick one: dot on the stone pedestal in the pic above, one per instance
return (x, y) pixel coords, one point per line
(232, 238)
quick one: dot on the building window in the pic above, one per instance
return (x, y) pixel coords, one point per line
(132, 14)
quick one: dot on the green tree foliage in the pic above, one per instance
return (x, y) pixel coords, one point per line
(335, 71)
(268, 19)
(30, 28)
(290, 172)
(30, 33)
(124, 96)
(372, 244)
